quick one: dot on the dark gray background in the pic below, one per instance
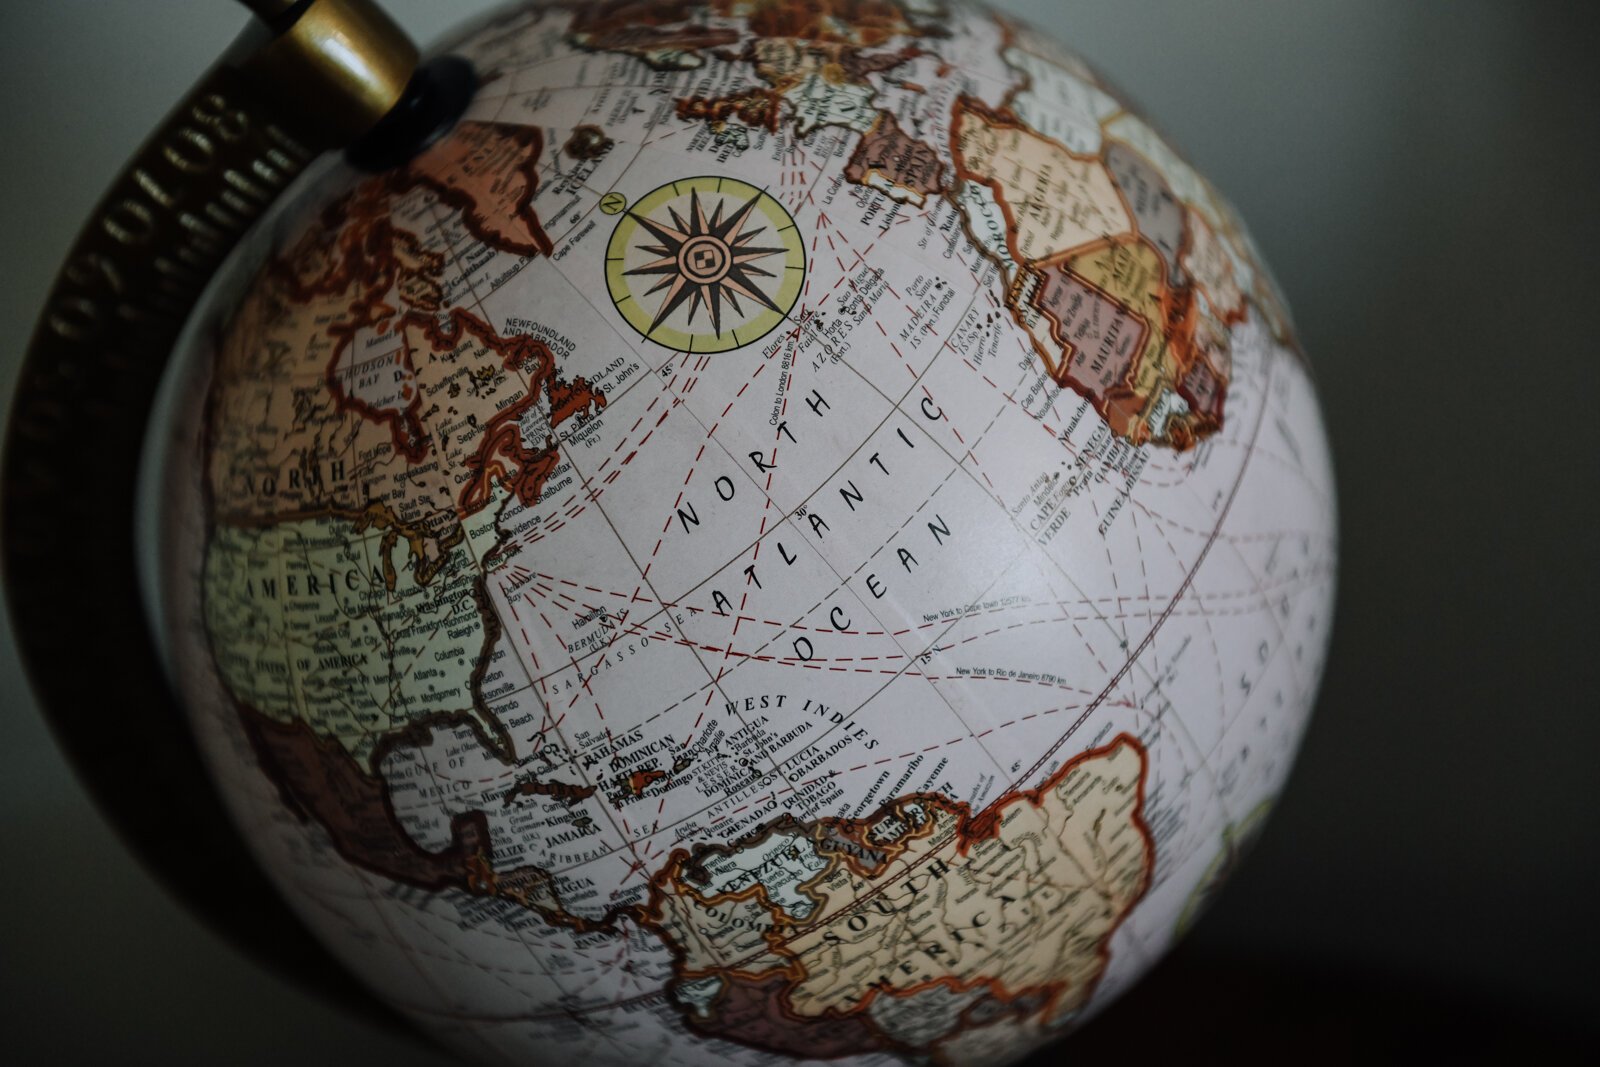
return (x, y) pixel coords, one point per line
(1422, 177)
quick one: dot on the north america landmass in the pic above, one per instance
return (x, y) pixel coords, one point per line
(377, 445)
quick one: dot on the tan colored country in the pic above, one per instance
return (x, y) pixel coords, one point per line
(1054, 201)
(1017, 902)
(1029, 907)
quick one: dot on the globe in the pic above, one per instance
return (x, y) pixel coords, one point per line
(793, 531)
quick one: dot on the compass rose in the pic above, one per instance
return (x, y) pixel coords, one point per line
(705, 264)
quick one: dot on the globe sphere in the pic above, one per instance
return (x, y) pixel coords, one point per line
(794, 530)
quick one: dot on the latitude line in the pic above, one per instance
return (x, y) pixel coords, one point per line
(933, 852)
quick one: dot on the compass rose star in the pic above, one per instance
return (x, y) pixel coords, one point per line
(706, 261)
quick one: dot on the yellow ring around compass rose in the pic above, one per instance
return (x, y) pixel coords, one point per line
(705, 264)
